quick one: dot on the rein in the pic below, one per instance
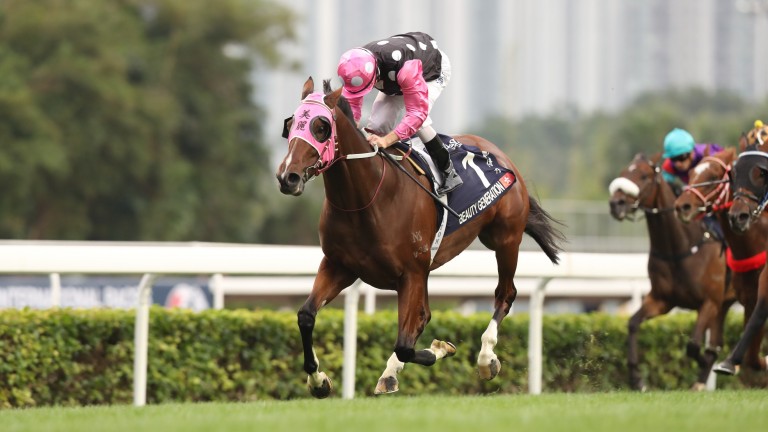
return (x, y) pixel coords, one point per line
(640, 197)
(658, 211)
(378, 188)
(720, 192)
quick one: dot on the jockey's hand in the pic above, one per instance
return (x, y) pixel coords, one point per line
(383, 142)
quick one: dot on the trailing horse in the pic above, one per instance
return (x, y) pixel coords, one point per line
(749, 183)
(685, 266)
(378, 226)
(709, 192)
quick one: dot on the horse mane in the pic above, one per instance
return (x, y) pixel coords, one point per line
(343, 103)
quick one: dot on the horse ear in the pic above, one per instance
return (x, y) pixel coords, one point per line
(743, 141)
(332, 98)
(309, 87)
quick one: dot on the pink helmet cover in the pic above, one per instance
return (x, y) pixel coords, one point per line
(357, 68)
(311, 107)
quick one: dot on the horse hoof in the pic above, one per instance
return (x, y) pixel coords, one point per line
(697, 387)
(489, 371)
(450, 349)
(726, 367)
(386, 385)
(323, 390)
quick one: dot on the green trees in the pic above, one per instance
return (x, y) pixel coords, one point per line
(135, 120)
(126, 120)
(572, 155)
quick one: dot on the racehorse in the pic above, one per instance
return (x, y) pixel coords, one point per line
(749, 183)
(377, 225)
(685, 267)
(709, 192)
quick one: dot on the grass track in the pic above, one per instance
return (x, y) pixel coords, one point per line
(743, 411)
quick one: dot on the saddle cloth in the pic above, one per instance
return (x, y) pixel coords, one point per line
(485, 181)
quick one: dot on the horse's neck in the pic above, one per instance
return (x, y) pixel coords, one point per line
(666, 232)
(352, 184)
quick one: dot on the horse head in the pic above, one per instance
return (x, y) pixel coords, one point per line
(750, 189)
(750, 178)
(708, 188)
(312, 140)
(635, 187)
(756, 137)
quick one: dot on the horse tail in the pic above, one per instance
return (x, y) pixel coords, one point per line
(541, 227)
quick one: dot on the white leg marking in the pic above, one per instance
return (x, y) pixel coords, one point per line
(439, 349)
(394, 366)
(489, 340)
(316, 378)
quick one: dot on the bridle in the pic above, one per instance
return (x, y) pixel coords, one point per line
(761, 202)
(299, 126)
(645, 191)
(719, 193)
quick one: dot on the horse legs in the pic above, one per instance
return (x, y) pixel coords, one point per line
(388, 381)
(488, 364)
(650, 308)
(709, 316)
(413, 316)
(330, 281)
(752, 358)
(730, 366)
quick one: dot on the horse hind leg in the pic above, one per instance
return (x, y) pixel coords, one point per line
(488, 363)
(388, 382)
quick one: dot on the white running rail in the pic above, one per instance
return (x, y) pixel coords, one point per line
(290, 269)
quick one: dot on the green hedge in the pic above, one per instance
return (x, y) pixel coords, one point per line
(80, 357)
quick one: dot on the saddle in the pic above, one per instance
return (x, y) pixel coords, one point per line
(485, 181)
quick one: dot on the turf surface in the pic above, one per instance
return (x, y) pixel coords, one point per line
(743, 411)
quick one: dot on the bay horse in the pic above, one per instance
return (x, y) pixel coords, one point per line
(685, 267)
(709, 192)
(377, 225)
(749, 183)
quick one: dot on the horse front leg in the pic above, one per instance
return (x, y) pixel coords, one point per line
(388, 381)
(706, 319)
(330, 281)
(413, 316)
(730, 366)
(650, 308)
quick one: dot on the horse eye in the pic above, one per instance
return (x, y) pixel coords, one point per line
(321, 129)
(757, 176)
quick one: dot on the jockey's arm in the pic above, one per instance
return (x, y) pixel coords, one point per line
(410, 78)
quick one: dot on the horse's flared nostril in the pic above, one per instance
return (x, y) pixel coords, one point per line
(291, 183)
(739, 221)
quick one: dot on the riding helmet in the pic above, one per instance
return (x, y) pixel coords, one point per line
(678, 142)
(357, 68)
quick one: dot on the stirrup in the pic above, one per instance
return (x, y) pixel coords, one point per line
(451, 180)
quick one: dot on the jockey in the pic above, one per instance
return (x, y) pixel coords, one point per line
(410, 72)
(682, 154)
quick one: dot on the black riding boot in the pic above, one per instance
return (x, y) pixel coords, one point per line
(439, 154)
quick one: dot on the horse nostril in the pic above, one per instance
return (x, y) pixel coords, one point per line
(743, 217)
(685, 208)
(292, 179)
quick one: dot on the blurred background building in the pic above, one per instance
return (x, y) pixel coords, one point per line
(512, 58)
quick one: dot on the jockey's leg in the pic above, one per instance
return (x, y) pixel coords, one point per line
(439, 154)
